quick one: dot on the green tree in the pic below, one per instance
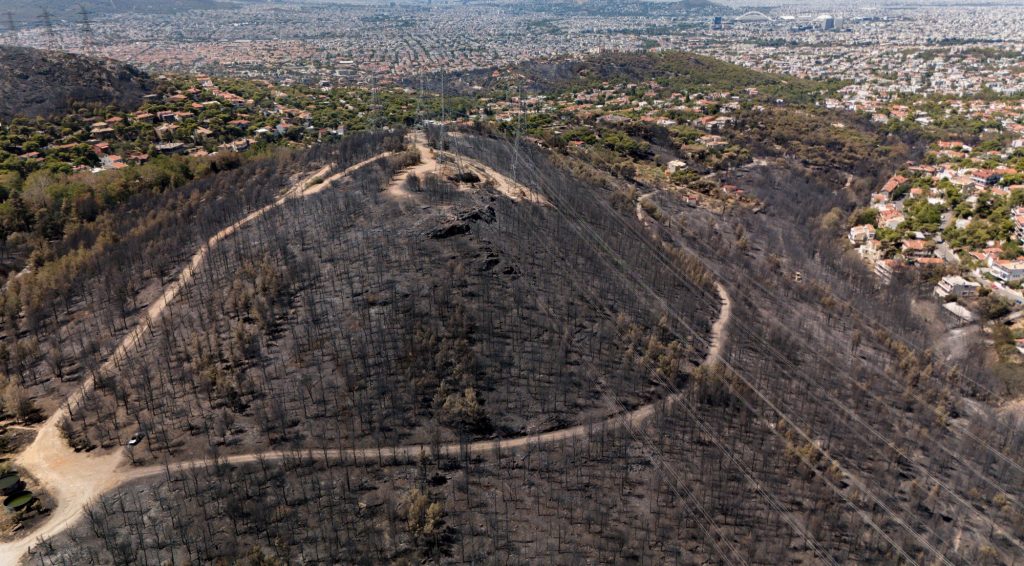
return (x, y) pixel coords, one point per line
(423, 518)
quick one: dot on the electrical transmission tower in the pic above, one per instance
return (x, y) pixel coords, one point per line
(88, 37)
(443, 143)
(374, 101)
(418, 122)
(521, 109)
(51, 32)
(12, 30)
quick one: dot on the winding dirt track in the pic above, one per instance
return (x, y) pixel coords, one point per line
(74, 479)
(410, 452)
(77, 479)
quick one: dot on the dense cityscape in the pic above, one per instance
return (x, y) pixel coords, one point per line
(902, 49)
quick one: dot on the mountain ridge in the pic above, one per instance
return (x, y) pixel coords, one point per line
(45, 83)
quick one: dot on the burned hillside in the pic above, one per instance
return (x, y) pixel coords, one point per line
(380, 312)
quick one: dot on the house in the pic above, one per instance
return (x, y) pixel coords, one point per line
(892, 184)
(112, 162)
(236, 146)
(885, 268)
(676, 165)
(166, 131)
(711, 140)
(891, 218)
(915, 248)
(170, 148)
(958, 313)
(614, 119)
(1018, 223)
(954, 285)
(861, 234)
(1007, 271)
(985, 177)
(871, 251)
(961, 181)
(101, 130)
(282, 128)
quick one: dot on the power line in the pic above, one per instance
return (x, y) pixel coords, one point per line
(886, 509)
(656, 458)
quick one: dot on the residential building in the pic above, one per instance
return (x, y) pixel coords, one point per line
(862, 234)
(954, 285)
(1007, 271)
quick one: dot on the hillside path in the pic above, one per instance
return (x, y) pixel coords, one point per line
(76, 479)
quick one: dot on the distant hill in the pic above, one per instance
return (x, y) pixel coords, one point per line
(676, 70)
(43, 83)
(27, 13)
(615, 7)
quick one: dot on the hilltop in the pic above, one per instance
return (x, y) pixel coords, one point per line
(617, 7)
(44, 83)
(461, 348)
(676, 70)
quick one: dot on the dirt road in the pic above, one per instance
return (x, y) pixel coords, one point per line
(76, 479)
(411, 452)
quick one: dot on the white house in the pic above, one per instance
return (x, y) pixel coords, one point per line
(956, 286)
(1007, 271)
(861, 234)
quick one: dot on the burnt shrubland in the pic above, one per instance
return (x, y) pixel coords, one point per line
(371, 317)
(362, 316)
(839, 364)
(62, 319)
